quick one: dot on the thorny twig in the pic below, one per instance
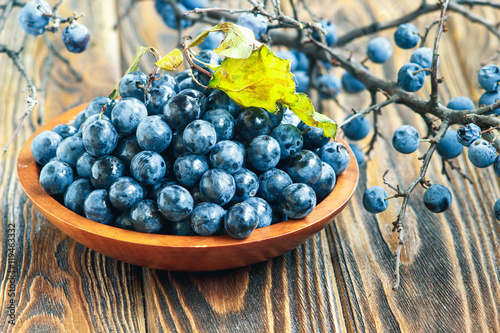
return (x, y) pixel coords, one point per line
(456, 168)
(433, 102)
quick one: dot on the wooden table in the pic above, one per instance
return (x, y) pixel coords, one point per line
(340, 280)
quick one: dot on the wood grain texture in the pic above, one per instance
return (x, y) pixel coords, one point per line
(339, 281)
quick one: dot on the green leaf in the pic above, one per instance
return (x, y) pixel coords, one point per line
(171, 61)
(114, 94)
(139, 52)
(238, 43)
(305, 111)
(261, 80)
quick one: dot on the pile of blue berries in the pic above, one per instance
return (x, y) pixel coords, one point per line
(35, 16)
(178, 159)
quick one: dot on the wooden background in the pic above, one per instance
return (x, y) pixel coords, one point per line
(340, 280)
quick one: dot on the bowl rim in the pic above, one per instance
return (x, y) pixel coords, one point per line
(28, 174)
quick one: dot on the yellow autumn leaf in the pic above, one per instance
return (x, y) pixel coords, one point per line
(171, 61)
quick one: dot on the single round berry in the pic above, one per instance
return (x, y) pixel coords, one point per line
(125, 193)
(132, 85)
(423, 57)
(153, 134)
(70, 150)
(65, 130)
(298, 200)
(84, 165)
(252, 122)
(196, 94)
(482, 153)
(449, 147)
(325, 183)
(240, 220)
(411, 77)
(264, 152)
(228, 156)
(406, 139)
(496, 210)
(256, 23)
(98, 208)
(304, 167)
(148, 167)
(379, 50)
(488, 98)
(127, 114)
(358, 128)
(207, 219)
(272, 183)
(76, 37)
(331, 35)
(351, 84)
(55, 177)
(44, 146)
(496, 166)
(488, 77)
(406, 36)
(220, 100)
(105, 171)
(146, 217)
(97, 104)
(199, 137)
(247, 185)
(76, 193)
(289, 139)
(100, 138)
(189, 169)
(467, 134)
(217, 186)
(374, 199)
(222, 122)
(358, 153)
(335, 154)
(328, 86)
(180, 110)
(461, 103)
(175, 203)
(263, 210)
(31, 17)
(313, 136)
(437, 198)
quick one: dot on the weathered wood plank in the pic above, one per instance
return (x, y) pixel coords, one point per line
(294, 292)
(59, 285)
(339, 281)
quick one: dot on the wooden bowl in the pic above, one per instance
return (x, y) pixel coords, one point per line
(180, 253)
